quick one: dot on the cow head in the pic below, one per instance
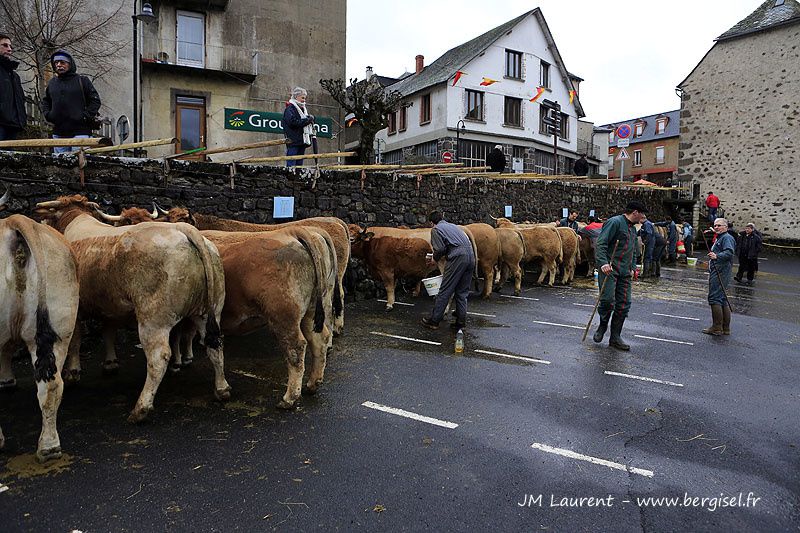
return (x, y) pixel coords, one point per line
(358, 237)
(135, 215)
(175, 214)
(502, 222)
(4, 199)
(60, 212)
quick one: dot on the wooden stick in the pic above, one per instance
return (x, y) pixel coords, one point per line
(187, 152)
(260, 144)
(48, 143)
(130, 146)
(295, 157)
(399, 167)
(602, 287)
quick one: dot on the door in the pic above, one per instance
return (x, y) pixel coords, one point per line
(190, 125)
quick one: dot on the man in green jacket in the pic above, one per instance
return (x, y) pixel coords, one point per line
(615, 251)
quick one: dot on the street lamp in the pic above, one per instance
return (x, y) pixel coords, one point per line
(460, 126)
(146, 15)
(378, 142)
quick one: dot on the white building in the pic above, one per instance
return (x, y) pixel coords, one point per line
(441, 106)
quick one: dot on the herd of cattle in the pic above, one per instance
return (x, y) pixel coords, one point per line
(200, 276)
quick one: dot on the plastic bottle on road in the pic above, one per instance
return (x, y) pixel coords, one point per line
(460, 341)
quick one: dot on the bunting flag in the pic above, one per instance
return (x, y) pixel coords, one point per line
(350, 122)
(458, 77)
(488, 81)
(571, 96)
(539, 91)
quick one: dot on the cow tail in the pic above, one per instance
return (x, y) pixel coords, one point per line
(561, 250)
(44, 368)
(524, 248)
(214, 287)
(305, 238)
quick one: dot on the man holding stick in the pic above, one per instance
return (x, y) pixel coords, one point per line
(615, 250)
(720, 270)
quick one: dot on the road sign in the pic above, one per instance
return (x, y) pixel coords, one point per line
(623, 143)
(624, 131)
(623, 155)
(447, 157)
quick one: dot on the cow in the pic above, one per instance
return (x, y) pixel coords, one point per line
(570, 243)
(542, 244)
(512, 252)
(335, 227)
(39, 295)
(151, 275)
(283, 280)
(391, 254)
(586, 245)
(488, 251)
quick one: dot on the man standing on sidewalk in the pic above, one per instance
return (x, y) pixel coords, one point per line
(615, 250)
(12, 100)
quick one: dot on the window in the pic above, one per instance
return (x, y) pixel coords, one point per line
(544, 74)
(474, 105)
(564, 133)
(473, 153)
(401, 126)
(425, 109)
(659, 155)
(513, 64)
(191, 40)
(611, 161)
(395, 157)
(543, 162)
(518, 152)
(638, 129)
(428, 150)
(661, 126)
(513, 112)
(637, 158)
(392, 117)
(611, 137)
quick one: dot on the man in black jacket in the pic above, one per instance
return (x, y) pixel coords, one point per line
(581, 167)
(70, 101)
(749, 247)
(12, 101)
(496, 160)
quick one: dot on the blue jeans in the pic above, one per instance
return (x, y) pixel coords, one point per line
(67, 149)
(8, 134)
(712, 214)
(295, 150)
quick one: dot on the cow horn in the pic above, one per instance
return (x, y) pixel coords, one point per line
(5, 197)
(106, 216)
(160, 210)
(154, 214)
(51, 203)
(493, 218)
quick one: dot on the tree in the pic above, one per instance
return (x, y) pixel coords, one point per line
(370, 103)
(40, 27)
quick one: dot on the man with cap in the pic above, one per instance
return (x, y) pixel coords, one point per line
(12, 100)
(750, 242)
(615, 251)
(496, 160)
(70, 101)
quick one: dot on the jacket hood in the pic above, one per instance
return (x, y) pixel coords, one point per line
(8, 64)
(72, 67)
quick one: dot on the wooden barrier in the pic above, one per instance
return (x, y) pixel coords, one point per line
(132, 146)
(295, 157)
(50, 143)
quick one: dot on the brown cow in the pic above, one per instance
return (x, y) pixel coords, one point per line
(571, 252)
(489, 252)
(391, 254)
(151, 275)
(512, 252)
(542, 244)
(39, 292)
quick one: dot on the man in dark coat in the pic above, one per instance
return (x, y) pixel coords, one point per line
(12, 99)
(672, 239)
(496, 160)
(581, 167)
(749, 247)
(70, 101)
(719, 277)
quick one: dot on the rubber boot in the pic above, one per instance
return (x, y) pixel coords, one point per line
(645, 270)
(716, 317)
(616, 329)
(726, 320)
(657, 269)
(601, 330)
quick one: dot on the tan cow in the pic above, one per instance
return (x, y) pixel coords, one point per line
(489, 252)
(542, 244)
(150, 275)
(283, 280)
(570, 243)
(391, 254)
(39, 295)
(512, 252)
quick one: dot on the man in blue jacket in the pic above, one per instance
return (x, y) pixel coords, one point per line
(672, 239)
(720, 269)
(298, 126)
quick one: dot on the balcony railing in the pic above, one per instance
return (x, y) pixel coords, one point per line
(592, 150)
(233, 59)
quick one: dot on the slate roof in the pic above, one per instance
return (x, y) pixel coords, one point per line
(649, 133)
(767, 16)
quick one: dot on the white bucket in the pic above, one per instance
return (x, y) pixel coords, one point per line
(432, 285)
(691, 261)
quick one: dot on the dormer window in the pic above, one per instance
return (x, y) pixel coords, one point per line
(661, 125)
(611, 137)
(638, 129)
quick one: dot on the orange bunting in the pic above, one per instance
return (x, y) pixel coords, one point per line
(488, 81)
(457, 77)
(539, 91)
(571, 96)
(350, 122)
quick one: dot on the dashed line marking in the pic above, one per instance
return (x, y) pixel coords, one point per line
(3, 488)
(397, 303)
(676, 316)
(481, 314)
(529, 359)
(409, 414)
(583, 305)
(590, 459)
(642, 378)
(664, 340)
(412, 339)
(556, 324)
(520, 297)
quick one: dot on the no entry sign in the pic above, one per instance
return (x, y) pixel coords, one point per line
(447, 157)
(624, 131)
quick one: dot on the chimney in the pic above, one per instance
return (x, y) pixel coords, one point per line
(420, 63)
(369, 74)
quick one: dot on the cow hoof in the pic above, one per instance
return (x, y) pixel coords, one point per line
(110, 368)
(517, 293)
(389, 307)
(174, 368)
(223, 395)
(8, 384)
(42, 456)
(187, 361)
(286, 406)
(139, 415)
(312, 388)
(71, 377)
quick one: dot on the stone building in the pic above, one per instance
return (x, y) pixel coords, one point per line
(740, 121)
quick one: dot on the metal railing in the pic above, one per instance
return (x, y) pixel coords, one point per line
(592, 150)
(234, 59)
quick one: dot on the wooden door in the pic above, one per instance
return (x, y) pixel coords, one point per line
(190, 125)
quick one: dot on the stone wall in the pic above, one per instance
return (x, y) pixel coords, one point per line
(740, 130)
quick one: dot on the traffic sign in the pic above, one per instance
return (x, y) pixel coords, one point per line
(623, 143)
(447, 157)
(624, 131)
(623, 155)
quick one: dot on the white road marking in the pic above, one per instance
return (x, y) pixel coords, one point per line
(589, 459)
(664, 340)
(520, 297)
(3, 488)
(676, 316)
(248, 374)
(406, 338)
(529, 359)
(642, 378)
(398, 303)
(584, 305)
(559, 325)
(409, 414)
(481, 314)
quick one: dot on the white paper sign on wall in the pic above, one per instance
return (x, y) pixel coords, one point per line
(508, 211)
(283, 207)
(518, 165)
(564, 212)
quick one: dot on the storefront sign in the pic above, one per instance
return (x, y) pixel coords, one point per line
(249, 120)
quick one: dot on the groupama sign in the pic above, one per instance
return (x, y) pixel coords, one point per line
(248, 120)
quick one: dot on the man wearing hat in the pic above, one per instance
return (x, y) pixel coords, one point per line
(749, 247)
(70, 101)
(615, 251)
(496, 160)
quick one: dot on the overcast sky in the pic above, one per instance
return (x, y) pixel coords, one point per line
(631, 54)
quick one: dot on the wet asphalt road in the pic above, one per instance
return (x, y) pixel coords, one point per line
(724, 421)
